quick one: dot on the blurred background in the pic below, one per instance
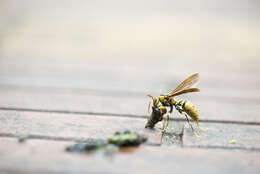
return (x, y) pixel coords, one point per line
(83, 68)
(130, 46)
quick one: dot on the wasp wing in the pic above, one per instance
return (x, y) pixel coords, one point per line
(184, 91)
(188, 83)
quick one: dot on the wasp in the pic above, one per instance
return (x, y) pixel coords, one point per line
(161, 104)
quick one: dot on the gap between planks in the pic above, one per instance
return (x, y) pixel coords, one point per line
(105, 114)
(72, 139)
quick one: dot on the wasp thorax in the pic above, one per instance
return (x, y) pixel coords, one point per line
(181, 103)
(173, 101)
(162, 98)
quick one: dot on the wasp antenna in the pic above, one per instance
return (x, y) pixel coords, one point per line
(149, 96)
(149, 106)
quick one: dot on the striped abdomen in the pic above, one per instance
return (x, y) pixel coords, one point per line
(190, 109)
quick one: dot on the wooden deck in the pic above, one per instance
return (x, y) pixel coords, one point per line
(74, 71)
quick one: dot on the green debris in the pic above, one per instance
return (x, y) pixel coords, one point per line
(109, 146)
(232, 141)
(89, 145)
(127, 138)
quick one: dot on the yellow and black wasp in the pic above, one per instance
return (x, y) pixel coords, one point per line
(184, 107)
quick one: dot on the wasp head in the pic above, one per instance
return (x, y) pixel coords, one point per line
(154, 118)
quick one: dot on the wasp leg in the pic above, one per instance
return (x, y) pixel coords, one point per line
(167, 119)
(198, 136)
(163, 111)
(201, 128)
(162, 124)
(183, 113)
(163, 127)
(167, 123)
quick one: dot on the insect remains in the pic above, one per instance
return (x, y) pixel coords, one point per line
(161, 104)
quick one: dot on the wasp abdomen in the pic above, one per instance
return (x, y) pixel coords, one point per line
(190, 109)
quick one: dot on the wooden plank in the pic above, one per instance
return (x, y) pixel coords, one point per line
(43, 156)
(129, 75)
(100, 77)
(80, 127)
(71, 126)
(224, 136)
(118, 103)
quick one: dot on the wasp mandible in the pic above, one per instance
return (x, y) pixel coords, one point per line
(184, 107)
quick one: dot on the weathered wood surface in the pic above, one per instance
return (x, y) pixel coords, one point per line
(49, 156)
(73, 71)
(69, 126)
(69, 100)
(79, 127)
(221, 135)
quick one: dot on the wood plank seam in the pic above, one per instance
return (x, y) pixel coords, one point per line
(71, 139)
(222, 147)
(105, 114)
(57, 138)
